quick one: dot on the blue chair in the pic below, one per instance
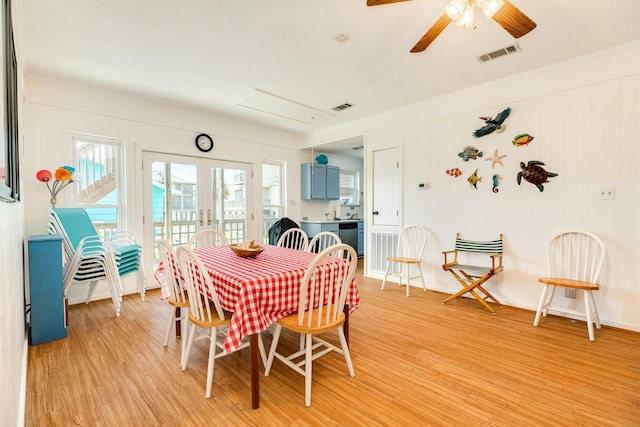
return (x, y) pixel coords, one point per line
(92, 257)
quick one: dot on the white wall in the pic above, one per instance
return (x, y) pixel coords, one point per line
(54, 109)
(584, 115)
(12, 329)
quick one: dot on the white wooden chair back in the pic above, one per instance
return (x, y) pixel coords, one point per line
(173, 283)
(203, 298)
(207, 238)
(576, 255)
(294, 238)
(412, 242)
(323, 240)
(325, 285)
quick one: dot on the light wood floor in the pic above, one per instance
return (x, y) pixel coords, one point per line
(417, 362)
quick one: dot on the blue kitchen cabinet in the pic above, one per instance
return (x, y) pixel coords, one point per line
(319, 182)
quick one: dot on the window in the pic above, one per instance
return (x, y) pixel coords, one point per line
(98, 161)
(349, 188)
(272, 194)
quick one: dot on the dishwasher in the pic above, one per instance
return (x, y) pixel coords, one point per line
(348, 232)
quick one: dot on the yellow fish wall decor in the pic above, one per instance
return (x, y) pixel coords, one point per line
(474, 179)
(522, 139)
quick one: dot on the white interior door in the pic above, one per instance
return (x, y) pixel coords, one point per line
(183, 194)
(386, 186)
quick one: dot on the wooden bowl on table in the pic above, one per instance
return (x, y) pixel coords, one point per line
(246, 250)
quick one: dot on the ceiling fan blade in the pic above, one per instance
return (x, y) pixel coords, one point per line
(513, 20)
(431, 35)
(379, 2)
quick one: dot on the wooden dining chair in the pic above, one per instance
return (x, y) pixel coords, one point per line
(173, 287)
(294, 238)
(411, 244)
(323, 293)
(575, 260)
(205, 313)
(206, 238)
(323, 240)
(472, 274)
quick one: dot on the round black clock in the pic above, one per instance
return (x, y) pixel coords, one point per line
(204, 142)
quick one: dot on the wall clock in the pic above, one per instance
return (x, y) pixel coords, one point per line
(204, 142)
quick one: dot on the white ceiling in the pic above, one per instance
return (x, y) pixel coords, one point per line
(212, 55)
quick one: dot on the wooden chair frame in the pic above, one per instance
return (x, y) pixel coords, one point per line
(472, 277)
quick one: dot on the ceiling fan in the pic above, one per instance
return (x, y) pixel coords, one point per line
(512, 19)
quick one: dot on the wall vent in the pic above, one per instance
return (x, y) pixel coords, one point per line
(342, 107)
(500, 52)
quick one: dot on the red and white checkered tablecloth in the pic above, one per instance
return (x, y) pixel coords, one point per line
(259, 290)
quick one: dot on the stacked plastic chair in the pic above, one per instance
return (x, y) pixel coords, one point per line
(93, 258)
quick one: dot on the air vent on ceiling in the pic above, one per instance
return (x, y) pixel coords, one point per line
(342, 107)
(500, 52)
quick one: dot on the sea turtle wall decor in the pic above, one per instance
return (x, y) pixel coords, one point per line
(534, 173)
(469, 152)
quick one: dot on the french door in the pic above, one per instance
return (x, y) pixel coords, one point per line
(183, 194)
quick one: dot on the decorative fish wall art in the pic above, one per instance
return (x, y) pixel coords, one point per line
(469, 152)
(474, 179)
(534, 173)
(493, 124)
(454, 172)
(522, 139)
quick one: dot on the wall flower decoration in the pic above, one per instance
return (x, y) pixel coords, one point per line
(64, 176)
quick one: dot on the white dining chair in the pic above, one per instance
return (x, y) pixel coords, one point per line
(205, 313)
(294, 238)
(173, 286)
(323, 293)
(206, 238)
(323, 240)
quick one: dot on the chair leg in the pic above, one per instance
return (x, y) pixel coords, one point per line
(541, 304)
(308, 369)
(212, 361)
(272, 350)
(172, 320)
(185, 355)
(386, 273)
(408, 278)
(345, 350)
(424, 285)
(588, 313)
(595, 310)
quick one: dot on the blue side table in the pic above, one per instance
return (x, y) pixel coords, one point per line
(46, 290)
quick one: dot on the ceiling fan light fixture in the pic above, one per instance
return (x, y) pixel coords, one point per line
(490, 7)
(468, 17)
(455, 8)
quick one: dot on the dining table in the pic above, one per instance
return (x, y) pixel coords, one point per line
(258, 291)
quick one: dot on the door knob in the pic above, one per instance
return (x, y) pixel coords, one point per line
(375, 212)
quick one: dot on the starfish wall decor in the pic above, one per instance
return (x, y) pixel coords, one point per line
(496, 159)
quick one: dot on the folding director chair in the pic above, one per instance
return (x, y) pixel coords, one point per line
(472, 277)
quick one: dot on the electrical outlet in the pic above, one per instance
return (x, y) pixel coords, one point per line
(570, 293)
(606, 193)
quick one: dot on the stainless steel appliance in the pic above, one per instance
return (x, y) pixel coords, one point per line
(348, 232)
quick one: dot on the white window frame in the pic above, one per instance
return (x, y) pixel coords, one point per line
(283, 191)
(121, 216)
(355, 190)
